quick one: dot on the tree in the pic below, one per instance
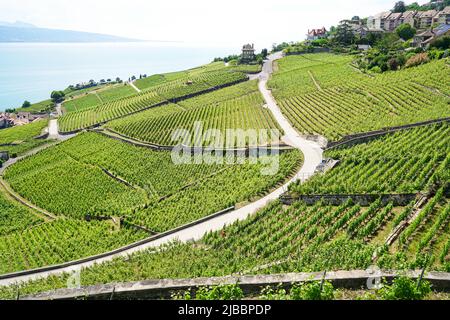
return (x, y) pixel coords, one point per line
(57, 96)
(413, 6)
(264, 53)
(388, 42)
(26, 104)
(405, 31)
(344, 34)
(442, 43)
(393, 64)
(399, 7)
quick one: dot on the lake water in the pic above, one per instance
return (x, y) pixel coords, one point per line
(30, 71)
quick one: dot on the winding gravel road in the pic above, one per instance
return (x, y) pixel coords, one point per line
(312, 158)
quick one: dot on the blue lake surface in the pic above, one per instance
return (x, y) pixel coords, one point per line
(30, 71)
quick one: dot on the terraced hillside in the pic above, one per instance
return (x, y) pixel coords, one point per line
(323, 94)
(97, 97)
(163, 93)
(19, 139)
(130, 189)
(236, 107)
(157, 79)
(317, 237)
(403, 162)
(14, 217)
(98, 176)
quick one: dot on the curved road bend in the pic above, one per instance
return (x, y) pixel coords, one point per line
(312, 158)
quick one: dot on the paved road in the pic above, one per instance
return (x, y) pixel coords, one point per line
(59, 109)
(312, 158)
(53, 129)
(311, 150)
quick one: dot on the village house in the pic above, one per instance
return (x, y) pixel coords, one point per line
(425, 38)
(248, 53)
(408, 17)
(424, 20)
(360, 30)
(393, 21)
(22, 118)
(316, 34)
(443, 17)
(5, 121)
(378, 21)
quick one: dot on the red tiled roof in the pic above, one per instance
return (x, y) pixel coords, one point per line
(317, 32)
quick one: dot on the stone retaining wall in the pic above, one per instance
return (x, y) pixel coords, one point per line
(251, 284)
(315, 50)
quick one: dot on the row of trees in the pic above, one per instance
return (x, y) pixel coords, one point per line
(400, 6)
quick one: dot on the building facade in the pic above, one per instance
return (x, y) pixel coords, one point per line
(409, 18)
(248, 52)
(443, 17)
(424, 20)
(316, 34)
(393, 21)
(378, 22)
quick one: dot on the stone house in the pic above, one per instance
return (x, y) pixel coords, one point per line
(248, 52)
(5, 122)
(425, 38)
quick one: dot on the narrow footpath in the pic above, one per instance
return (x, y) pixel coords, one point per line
(134, 87)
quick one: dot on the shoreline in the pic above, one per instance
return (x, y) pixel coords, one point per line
(70, 67)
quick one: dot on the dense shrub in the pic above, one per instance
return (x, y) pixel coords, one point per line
(418, 59)
(404, 288)
(221, 292)
(436, 54)
(442, 43)
(224, 292)
(313, 291)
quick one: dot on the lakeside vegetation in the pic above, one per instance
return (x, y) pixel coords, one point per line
(99, 96)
